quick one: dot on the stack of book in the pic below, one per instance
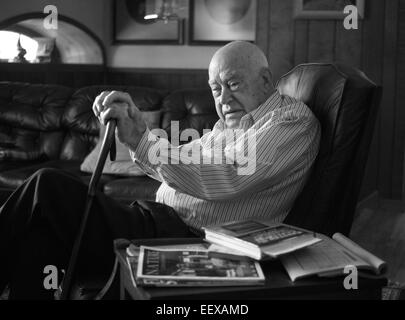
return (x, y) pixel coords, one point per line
(184, 266)
(302, 252)
(258, 240)
(232, 252)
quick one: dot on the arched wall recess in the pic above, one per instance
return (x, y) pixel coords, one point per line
(75, 43)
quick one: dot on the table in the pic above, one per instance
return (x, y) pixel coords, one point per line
(278, 285)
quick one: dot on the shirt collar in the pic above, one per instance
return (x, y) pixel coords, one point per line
(272, 103)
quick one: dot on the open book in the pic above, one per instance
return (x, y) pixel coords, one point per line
(330, 257)
(259, 239)
(189, 266)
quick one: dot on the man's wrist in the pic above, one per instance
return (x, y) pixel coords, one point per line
(133, 144)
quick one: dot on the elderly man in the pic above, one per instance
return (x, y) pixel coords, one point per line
(39, 222)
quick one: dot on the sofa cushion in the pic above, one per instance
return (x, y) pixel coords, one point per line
(83, 127)
(30, 120)
(122, 165)
(131, 189)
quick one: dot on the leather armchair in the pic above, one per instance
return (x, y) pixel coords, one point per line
(346, 103)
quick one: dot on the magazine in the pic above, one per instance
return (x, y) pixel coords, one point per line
(165, 267)
(330, 257)
(259, 239)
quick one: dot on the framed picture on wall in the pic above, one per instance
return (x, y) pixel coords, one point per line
(325, 9)
(130, 27)
(214, 22)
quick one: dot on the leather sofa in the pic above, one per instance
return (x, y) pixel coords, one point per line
(54, 126)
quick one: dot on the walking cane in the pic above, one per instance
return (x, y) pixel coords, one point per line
(108, 147)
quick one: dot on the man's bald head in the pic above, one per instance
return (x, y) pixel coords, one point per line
(240, 54)
(240, 81)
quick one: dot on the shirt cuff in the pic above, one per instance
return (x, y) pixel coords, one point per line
(147, 152)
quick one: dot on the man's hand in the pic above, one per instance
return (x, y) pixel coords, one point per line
(119, 105)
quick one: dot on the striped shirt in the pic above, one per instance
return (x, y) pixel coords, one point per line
(286, 141)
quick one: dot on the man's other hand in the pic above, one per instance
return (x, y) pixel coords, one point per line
(119, 105)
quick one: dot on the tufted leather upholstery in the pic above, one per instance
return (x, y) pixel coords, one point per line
(345, 101)
(129, 189)
(81, 124)
(69, 118)
(30, 118)
(193, 108)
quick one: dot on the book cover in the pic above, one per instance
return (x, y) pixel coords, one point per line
(188, 267)
(258, 239)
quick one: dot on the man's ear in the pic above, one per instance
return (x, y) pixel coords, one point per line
(267, 78)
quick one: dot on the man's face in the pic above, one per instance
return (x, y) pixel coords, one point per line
(236, 92)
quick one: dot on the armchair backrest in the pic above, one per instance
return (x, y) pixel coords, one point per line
(346, 103)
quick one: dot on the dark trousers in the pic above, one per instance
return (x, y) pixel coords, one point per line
(39, 222)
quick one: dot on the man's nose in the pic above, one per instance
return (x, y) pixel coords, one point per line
(225, 97)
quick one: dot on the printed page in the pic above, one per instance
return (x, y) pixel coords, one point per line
(289, 245)
(379, 265)
(219, 251)
(324, 257)
(133, 250)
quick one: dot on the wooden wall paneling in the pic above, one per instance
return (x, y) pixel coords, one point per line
(117, 79)
(127, 79)
(321, 41)
(113, 78)
(57, 78)
(262, 24)
(281, 37)
(162, 81)
(202, 80)
(174, 80)
(399, 116)
(96, 78)
(149, 80)
(165, 79)
(35, 77)
(136, 79)
(68, 75)
(83, 80)
(301, 30)
(348, 48)
(188, 81)
(124, 79)
(372, 57)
